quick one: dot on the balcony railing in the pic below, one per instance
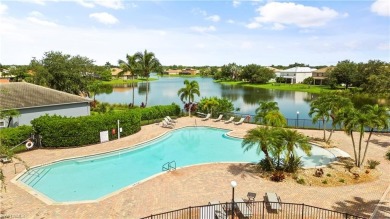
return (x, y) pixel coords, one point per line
(254, 209)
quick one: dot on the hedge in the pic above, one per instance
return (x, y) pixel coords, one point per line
(11, 137)
(58, 131)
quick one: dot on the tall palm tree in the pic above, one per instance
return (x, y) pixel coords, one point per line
(292, 140)
(130, 65)
(337, 105)
(187, 93)
(262, 139)
(210, 104)
(148, 63)
(275, 118)
(320, 109)
(264, 108)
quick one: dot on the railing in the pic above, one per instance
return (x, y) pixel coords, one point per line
(168, 166)
(253, 209)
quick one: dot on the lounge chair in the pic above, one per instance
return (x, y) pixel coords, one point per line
(164, 124)
(274, 199)
(171, 120)
(168, 122)
(251, 196)
(230, 120)
(239, 122)
(5, 159)
(219, 118)
(207, 117)
(243, 208)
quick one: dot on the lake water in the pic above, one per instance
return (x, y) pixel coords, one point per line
(164, 91)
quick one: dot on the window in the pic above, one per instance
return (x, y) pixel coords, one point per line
(2, 123)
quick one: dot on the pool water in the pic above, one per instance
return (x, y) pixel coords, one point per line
(93, 177)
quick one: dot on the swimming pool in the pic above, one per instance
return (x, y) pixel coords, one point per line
(93, 177)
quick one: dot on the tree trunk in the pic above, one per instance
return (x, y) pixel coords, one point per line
(323, 123)
(365, 150)
(360, 144)
(330, 135)
(354, 147)
(147, 91)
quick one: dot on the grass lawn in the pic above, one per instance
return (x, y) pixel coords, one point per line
(278, 86)
(121, 81)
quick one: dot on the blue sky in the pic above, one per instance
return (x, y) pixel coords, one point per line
(198, 32)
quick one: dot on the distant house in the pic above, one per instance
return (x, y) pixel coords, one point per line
(5, 77)
(297, 74)
(321, 74)
(33, 101)
(172, 72)
(276, 71)
(189, 71)
(115, 74)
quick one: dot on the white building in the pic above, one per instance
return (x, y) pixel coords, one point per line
(297, 74)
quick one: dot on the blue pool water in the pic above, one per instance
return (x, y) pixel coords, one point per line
(93, 177)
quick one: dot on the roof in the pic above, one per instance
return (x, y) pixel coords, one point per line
(299, 70)
(323, 70)
(273, 69)
(115, 72)
(19, 95)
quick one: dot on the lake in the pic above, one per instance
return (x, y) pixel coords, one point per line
(164, 91)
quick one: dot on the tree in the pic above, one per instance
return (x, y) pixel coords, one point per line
(9, 114)
(275, 118)
(148, 63)
(187, 93)
(264, 108)
(257, 74)
(221, 106)
(19, 73)
(344, 72)
(209, 104)
(291, 140)
(230, 71)
(262, 138)
(62, 72)
(319, 110)
(130, 65)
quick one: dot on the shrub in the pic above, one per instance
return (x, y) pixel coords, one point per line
(372, 163)
(301, 181)
(325, 181)
(265, 164)
(278, 176)
(388, 155)
(11, 137)
(342, 180)
(328, 175)
(293, 164)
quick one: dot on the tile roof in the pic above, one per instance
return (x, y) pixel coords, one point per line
(299, 70)
(19, 95)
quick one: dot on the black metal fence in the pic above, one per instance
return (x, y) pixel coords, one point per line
(253, 210)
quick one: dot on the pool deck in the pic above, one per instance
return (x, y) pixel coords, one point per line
(182, 188)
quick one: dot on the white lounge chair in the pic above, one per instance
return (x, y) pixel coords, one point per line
(207, 117)
(219, 118)
(240, 122)
(230, 120)
(171, 120)
(164, 124)
(243, 208)
(274, 199)
(168, 122)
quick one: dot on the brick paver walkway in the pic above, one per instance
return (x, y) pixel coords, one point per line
(197, 185)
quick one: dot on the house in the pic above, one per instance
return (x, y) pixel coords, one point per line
(172, 72)
(276, 71)
(33, 101)
(297, 74)
(5, 77)
(189, 71)
(321, 74)
(127, 75)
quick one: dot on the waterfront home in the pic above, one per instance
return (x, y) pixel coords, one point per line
(125, 76)
(297, 74)
(321, 74)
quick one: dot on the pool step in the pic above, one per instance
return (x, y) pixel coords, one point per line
(168, 166)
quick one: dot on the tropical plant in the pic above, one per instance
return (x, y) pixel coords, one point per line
(293, 164)
(130, 65)
(9, 114)
(264, 108)
(373, 163)
(344, 72)
(291, 140)
(262, 138)
(147, 63)
(187, 93)
(388, 155)
(275, 118)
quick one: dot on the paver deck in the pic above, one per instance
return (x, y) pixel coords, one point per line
(197, 185)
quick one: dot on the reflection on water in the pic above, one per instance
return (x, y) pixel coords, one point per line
(164, 91)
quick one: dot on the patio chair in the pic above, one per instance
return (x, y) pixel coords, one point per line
(230, 120)
(251, 196)
(171, 120)
(168, 122)
(164, 124)
(273, 201)
(239, 122)
(5, 159)
(207, 117)
(219, 118)
(242, 208)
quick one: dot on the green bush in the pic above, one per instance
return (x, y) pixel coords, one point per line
(11, 137)
(293, 164)
(342, 180)
(58, 131)
(301, 181)
(325, 181)
(388, 155)
(372, 163)
(328, 175)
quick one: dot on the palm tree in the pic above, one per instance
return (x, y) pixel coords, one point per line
(275, 118)
(130, 65)
(262, 138)
(292, 140)
(210, 104)
(264, 108)
(320, 109)
(148, 63)
(337, 105)
(187, 93)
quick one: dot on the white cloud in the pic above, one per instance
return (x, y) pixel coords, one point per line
(3, 9)
(104, 18)
(36, 14)
(230, 21)
(278, 26)
(384, 46)
(114, 4)
(253, 25)
(85, 3)
(203, 29)
(198, 11)
(41, 22)
(381, 7)
(295, 14)
(214, 18)
(39, 2)
(236, 3)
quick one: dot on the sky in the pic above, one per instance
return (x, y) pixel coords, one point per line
(197, 33)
